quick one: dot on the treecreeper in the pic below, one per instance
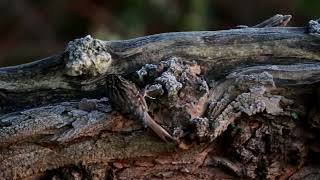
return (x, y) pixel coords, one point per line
(126, 98)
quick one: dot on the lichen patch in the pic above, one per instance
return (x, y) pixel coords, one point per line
(314, 26)
(87, 56)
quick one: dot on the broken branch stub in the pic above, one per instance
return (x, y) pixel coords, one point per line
(239, 103)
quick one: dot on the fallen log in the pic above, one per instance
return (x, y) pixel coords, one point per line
(240, 103)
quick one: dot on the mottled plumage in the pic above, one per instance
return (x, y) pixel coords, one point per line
(126, 98)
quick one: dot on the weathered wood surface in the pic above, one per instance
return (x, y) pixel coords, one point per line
(217, 52)
(242, 103)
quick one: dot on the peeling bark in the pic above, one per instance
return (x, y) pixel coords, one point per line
(240, 103)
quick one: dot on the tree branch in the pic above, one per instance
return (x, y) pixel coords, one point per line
(239, 102)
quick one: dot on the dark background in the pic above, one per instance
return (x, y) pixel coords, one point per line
(34, 29)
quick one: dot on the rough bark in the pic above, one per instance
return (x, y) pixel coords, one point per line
(240, 103)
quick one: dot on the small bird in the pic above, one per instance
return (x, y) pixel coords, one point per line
(126, 98)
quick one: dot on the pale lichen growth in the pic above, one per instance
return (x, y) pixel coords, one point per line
(168, 78)
(314, 26)
(184, 93)
(174, 65)
(87, 56)
(146, 70)
(252, 102)
(201, 127)
(245, 81)
(170, 82)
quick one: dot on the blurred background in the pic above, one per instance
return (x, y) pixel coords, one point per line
(34, 29)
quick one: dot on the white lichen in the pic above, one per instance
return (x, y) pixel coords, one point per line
(174, 65)
(246, 81)
(146, 70)
(201, 126)
(314, 26)
(170, 82)
(253, 99)
(87, 56)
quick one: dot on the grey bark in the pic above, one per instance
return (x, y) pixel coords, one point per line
(251, 90)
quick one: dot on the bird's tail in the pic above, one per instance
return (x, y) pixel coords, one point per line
(160, 131)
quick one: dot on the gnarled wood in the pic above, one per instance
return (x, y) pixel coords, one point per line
(240, 103)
